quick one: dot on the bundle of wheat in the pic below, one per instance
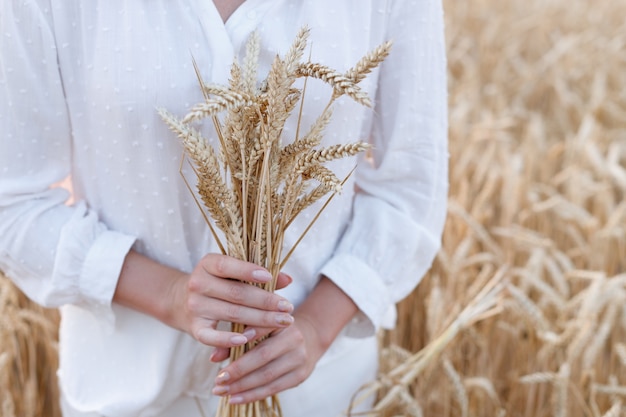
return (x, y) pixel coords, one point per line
(255, 186)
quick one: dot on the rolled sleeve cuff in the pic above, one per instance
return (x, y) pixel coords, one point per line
(365, 287)
(89, 259)
(88, 264)
(102, 268)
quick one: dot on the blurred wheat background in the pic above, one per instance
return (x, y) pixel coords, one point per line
(523, 311)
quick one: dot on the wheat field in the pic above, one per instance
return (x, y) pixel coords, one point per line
(523, 311)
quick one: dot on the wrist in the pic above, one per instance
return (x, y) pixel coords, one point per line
(152, 288)
(326, 311)
(172, 305)
(318, 340)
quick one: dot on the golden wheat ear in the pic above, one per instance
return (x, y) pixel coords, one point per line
(370, 61)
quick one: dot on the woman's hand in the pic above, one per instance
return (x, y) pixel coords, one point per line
(279, 362)
(213, 293)
(196, 302)
(288, 356)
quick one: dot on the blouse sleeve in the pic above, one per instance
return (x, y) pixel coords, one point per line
(55, 253)
(400, 206)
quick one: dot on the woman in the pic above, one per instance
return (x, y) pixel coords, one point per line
(132, 265)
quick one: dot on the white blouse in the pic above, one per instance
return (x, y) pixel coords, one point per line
(80, 82)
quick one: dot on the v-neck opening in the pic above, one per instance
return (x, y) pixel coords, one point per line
(249, 11)
(246, 7)
(228, 37)
(224, 22)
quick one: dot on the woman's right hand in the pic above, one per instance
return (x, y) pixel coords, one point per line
(213, 292)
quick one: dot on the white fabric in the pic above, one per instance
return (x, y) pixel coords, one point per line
(79, 84)
(356, 355)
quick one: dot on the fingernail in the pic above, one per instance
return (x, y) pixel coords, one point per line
(284, 319)
(286, 306)
(262, 275)
(249, 334)
(238, 339)
(235, 400)
(222, 377)
(220, 389)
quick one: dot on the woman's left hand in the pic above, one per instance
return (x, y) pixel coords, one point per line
(279, 362)
(288, 357)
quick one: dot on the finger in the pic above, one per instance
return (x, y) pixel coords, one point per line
(283, 280)
(239, 293)
(228, 267)
(220, 354)
(251, 333)
(286, 381)
(262, 354)
(204, 333)
(258, 333)
(252, 317)
(263, 376)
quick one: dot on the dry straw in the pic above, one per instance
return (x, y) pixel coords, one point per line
(537, 168)
(254, 185)
(28, 356)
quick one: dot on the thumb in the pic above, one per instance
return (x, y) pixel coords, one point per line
(283, 280)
